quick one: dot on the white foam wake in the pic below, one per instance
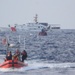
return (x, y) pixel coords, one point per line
(33, 65)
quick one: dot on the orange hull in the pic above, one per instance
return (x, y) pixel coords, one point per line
(43, 33)
(12, 64)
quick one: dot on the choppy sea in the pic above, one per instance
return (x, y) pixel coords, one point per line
(53, 54)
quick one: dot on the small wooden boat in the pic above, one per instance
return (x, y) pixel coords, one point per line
(12, 64)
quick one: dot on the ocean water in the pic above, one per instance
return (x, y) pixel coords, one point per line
(53, 54)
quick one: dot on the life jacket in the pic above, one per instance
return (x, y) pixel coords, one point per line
(15, 57)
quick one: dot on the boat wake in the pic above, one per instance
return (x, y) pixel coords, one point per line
(34, 65)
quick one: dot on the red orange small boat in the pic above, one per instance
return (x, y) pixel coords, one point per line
(42, 33)
(12, 64)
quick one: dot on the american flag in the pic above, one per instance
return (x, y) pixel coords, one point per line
(4, 41)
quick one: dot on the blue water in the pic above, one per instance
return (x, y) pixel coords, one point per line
(54, 53)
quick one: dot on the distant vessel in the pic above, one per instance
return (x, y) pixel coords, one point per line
(43, 33)
(36, 26)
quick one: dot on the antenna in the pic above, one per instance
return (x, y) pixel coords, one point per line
(35, 18)
(24, 43)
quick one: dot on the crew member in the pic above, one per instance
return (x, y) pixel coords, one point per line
(8, 56)
(24, 55)
(17, 55)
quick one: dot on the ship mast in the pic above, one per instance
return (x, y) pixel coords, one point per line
(35, 18)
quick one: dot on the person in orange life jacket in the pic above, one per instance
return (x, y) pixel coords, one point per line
(8, 56)
(17, 55)
(24, 55)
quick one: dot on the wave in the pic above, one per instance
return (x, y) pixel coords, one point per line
(34, 65)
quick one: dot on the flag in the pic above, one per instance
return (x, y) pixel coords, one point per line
(4, 41)
(13, 29)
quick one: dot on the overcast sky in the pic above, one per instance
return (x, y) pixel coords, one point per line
(51, 11)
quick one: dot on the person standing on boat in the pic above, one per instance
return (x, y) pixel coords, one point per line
(8, 56)
(17, 55)
(24, 55)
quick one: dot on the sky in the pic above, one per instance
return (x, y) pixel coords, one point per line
(51, 11)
